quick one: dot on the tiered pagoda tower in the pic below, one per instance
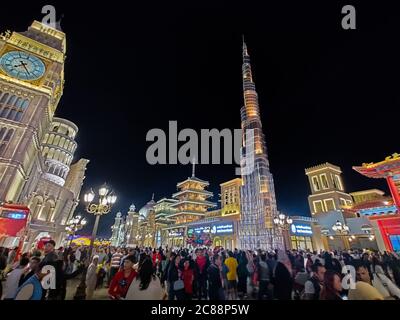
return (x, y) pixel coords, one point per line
(258, 203)
(192, 200)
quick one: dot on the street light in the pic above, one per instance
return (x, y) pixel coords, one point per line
(103, 206)
(340, 228)
(283, 222)
(73, 225)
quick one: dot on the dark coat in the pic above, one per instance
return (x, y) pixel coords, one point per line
(283, 283)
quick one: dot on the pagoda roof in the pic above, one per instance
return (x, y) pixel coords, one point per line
(193, 179)
(201, 202)
(380, 169)
(205, 192)
(196, 213)
(166, 200)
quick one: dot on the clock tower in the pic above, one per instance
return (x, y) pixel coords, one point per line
(31, 84)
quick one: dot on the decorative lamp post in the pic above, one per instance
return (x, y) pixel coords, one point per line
(73, 225)
(368, 230)
(106, 200)
(341, 229)
(283, 222)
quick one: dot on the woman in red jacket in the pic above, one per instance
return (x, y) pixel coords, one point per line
(188, 277)
(122, 280)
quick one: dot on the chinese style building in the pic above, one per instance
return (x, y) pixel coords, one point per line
(384, 214)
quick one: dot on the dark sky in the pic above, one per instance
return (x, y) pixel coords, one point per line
(326, 94)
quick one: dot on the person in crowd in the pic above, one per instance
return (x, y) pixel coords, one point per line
(216, 290)
(188, 278)
(50, 256)
(176, 286)
(121, 281)
(115, 263)
(313, 286)
(364, 291)
(263, 277)
(91, 278)
(13, 277)
(11, 257)
(283, 279)
(242, 274)
(146, 285)
(232, 264)
(332, 287)
(309, 263)
(102, 256)
(32, 268)
(201, 266)
(378, 280)
(32, 289)
(156, 259)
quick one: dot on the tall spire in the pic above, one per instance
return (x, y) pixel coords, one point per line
(245, 53)
(193, 166)
(248, 83)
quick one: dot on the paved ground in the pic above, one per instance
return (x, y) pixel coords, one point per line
(99, 294)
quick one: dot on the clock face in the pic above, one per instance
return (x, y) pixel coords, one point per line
(22, 65)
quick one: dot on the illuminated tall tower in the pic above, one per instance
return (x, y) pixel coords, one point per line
(258, 203)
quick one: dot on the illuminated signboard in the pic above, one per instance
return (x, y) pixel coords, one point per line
(216, 229)
(225, 228)
(176, 233)
(302, 229)
(11, 214)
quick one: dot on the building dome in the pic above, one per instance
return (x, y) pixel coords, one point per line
(132, 207)
(145, 211)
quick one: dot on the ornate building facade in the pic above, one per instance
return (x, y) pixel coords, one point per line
(258, 203)
(36, 149)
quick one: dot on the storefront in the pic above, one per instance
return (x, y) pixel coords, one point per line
(176, 237)
(301, 235)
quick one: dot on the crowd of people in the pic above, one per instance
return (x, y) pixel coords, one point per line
(203, 273)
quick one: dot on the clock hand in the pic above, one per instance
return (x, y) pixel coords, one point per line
(26, 69)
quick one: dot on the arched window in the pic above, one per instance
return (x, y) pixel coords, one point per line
(18, 117)
(18, 103)
(4, 98)
(45, 212)
(8, 135)
(25, 104)
(36, 206)
(13, 114)
(55, 129)
(4, 112)
(2, 132)
(11, 100)
(62, 141)
(51, 139)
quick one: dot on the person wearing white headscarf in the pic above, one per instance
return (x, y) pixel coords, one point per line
(91, 278)
(283, 277)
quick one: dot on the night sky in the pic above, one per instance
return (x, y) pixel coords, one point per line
(326, 94)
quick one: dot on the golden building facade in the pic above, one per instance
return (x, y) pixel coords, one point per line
(31, 85)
